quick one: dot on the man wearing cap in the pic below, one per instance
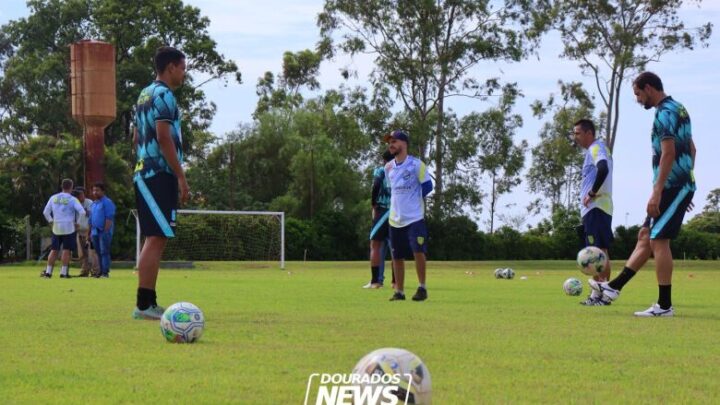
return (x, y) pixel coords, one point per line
(88, 263)
(409, 184)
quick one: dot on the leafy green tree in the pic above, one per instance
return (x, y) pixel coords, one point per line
(493, 150)
(614, 39)
(35, 64)
(556, 161)
(713, 201)
(424, 50)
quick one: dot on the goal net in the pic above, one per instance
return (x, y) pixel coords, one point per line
(204, 235)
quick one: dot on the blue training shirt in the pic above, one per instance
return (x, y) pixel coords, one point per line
(155, 103)
(673, 122)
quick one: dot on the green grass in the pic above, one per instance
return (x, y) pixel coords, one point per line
(484, 340)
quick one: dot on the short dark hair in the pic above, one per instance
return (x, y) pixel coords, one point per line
(100, 185)
(586, 125)
(66, 184)
(648, 78)
(166, 55)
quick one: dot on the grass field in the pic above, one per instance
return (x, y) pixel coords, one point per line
(483, 340)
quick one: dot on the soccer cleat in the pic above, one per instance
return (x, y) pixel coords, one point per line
(368, 285)
(65, 276)
(153, 312)
(595, 302)
(655, 310)
(420, 294)
(398, 296)
(609, 293)
(45, 275)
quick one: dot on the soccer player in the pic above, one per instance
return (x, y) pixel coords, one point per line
(62, 211)
(672, 193)
(102, 226)
(409, 184)
(88, 264)
(158, 172)
(596, 198)
(379, 232)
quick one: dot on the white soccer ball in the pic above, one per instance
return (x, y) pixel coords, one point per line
(508, 273)
(498, 272)
(401, 363)
(573, 286)
(592, 260)
(182, 323)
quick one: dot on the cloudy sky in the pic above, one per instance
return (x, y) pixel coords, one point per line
(255, 34)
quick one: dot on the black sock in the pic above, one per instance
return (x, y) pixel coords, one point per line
(619, 282)
(375, 273)
(664, 296)
(393, 274)
(145, 298)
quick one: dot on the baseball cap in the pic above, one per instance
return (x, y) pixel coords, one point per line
(399, 135)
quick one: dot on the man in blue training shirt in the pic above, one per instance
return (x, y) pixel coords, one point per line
(379, 233)
(102, 226)
(672, 193)
(158, 173)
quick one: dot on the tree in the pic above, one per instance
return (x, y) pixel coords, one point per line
(614, 39)
(496, 154)
(713, 201)
(35, 64)
(424, 50)
(556, 160)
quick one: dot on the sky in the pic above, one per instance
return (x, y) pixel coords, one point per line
(255, 35)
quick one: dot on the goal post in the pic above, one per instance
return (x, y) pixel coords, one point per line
(213, 235)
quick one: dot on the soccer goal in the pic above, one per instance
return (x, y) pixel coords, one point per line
(206, 235)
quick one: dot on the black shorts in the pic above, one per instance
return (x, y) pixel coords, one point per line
(408, 240)
(597, 227)
(673, 204)
(157, 201)
(68, 242)
(380, 227)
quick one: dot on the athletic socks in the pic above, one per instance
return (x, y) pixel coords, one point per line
(422, 285)
(664, 293)
(146, 298)
(619, 282)
(48, 270)
(64, 270)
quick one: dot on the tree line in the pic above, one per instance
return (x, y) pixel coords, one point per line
(310, 152)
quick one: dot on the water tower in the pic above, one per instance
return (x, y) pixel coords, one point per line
(92, 81)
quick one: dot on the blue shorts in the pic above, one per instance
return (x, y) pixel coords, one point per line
(673, 205)
(408, 240)
(68, 242)
(598, 228)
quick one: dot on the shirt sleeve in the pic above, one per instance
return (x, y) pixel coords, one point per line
(48, 210)
(666, 123)
(79, 209)
(109, 210)
(422, 173)
(597, 154)
(165, 106)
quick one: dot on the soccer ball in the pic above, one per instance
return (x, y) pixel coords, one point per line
(182, 323)
(399, 362)
(592, 260)
(508, 273)
(572, 286)
(498, 272)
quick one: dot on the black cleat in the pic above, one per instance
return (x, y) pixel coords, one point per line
(65, 276)
(398, 296)
(45, 275)
(420, 295)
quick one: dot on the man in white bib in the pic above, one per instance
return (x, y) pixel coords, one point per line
(63, 212)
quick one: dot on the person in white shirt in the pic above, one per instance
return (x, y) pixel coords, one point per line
(409, 184)
(88, 261)
(62, 211)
